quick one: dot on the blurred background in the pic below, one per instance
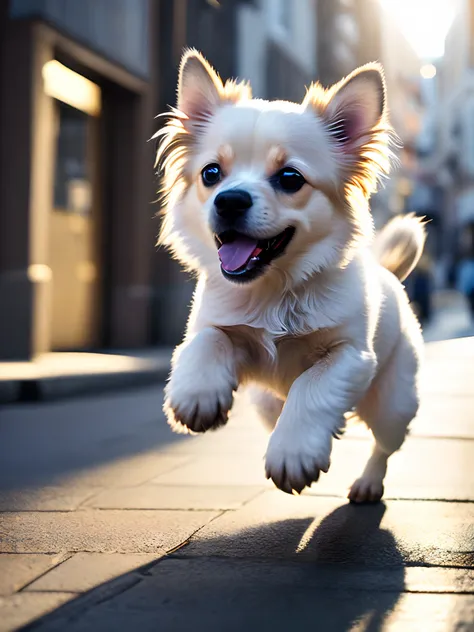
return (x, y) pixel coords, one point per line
(80, 85)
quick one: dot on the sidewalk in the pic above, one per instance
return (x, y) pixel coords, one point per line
(110, 522)
(57, 375)
(451, 317)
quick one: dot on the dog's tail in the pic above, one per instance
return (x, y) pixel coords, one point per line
(399, 245)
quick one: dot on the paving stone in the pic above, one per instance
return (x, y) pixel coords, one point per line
(99, 531)
(444, 416)
(134, 470)
(436, 613)
(213, 470)
(213, 595)
(330, 611)
(84, 571)
(326, 577)
(20, 609)
(57, 498)
(432, 469)
(326, 530)
(49, 443)
(174, 497)
(405, 478)
(230, 440)
(447, 368)
(16, 569)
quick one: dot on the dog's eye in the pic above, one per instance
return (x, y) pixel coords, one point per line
(211, 174)
(288, 180)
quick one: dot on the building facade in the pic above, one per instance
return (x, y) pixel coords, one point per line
(406, 109)
(277, 47)
(77, 86)
(447, 143)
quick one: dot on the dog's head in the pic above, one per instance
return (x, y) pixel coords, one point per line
(254, 188)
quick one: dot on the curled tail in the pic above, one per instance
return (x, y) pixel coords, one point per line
(399, 245)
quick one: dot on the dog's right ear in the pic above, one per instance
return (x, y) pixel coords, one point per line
(200, 89)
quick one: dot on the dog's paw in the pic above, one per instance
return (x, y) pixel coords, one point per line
(366, 489)
(198, 406)
(294, 461)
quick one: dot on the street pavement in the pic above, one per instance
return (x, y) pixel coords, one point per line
(110, 522)
(451, 317)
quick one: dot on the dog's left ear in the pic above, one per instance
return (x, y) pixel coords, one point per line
(353, 107)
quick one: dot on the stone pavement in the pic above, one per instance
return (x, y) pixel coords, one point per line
(110, 522)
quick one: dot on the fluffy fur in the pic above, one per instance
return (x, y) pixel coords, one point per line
(327, 329)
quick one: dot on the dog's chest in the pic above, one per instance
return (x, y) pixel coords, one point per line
(290, 317)
(294, 355)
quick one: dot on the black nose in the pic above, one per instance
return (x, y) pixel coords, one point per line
(233, 203)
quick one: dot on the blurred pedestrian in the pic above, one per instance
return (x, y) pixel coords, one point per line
(465, 279)
(421, 289)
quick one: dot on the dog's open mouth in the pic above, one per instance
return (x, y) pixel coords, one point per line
(243, 258)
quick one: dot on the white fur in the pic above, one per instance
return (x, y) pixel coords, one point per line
(326, 329)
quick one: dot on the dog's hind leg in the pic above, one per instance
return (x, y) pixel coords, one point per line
(267, 405)
(388, 407)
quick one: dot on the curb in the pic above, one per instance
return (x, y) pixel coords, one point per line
(49, 388)
(9, 391)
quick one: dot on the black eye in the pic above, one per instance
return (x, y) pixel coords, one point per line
(288, 180)
(211, 174)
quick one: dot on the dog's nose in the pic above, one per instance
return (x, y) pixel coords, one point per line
(233, 203)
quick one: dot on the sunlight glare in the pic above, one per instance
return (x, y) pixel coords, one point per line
(424, 23)
(428, 71)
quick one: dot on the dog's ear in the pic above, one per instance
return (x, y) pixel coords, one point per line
(201, 91)
(200, 88)
(355, 114)
(353, 107)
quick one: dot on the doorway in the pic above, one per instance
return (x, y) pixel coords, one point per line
(74, 220)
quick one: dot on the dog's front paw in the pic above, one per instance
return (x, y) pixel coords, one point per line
(295, 460)
(198, 406)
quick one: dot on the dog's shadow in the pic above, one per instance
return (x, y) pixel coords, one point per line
(344, 573)
(356, 567)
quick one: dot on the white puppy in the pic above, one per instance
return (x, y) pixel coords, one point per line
(268, 203)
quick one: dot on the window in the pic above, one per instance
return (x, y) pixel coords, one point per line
(78, 104)
(72, 180)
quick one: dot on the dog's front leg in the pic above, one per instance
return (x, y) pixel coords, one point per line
(300, 446)
(200, 391)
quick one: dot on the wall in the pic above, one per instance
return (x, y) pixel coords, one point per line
(117, 29)
(27, 166)
(276, 48)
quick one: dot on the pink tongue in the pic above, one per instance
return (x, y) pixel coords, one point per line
(236, 254)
